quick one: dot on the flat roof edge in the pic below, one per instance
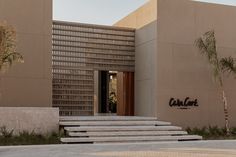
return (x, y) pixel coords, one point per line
(92, 25)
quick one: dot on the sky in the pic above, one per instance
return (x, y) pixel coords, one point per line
(104, 12)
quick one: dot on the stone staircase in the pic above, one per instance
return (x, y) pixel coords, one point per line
(106, 129)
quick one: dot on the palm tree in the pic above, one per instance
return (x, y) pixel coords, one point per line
(8, 52)
(207, 46)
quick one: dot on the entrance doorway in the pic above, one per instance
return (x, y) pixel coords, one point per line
(115, 93)
(107, 92)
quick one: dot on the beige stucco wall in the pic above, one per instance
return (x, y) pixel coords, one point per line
(141, 17)
(169, 65)
(29, 84)
(182, 71)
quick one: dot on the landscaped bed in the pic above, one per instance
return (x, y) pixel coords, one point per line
(213, 133)
(26, 138)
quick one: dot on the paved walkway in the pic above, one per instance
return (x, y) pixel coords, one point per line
(164, 149)
(185, 152)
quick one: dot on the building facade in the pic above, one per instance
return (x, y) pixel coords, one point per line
(168, 64)
(26, 89)
(80, 53)
(29, 84)
(151, 53)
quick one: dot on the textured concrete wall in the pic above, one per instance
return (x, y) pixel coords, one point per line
(145, 70)
(141, 17)
(40, 120)
(181, 70)
(29, 84)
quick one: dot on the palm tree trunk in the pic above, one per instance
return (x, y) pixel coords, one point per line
(226, 113)
(0, 84)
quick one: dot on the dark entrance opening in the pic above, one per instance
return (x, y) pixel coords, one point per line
(103, 85)
(107, 92)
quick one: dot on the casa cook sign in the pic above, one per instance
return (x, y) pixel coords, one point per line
(186, 103)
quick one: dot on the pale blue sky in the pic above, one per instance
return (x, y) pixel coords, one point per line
(105, 12)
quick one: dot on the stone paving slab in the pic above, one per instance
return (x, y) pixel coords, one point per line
(155, 149)
(114, 123)
(171, 153)
(126, 133)
(124, 128)
(106, 118)
(129, 139)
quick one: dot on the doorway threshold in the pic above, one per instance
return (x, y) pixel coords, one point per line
(105, 114)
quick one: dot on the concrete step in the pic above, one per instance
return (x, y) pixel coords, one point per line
(126, 133)
(113, 123)
(106, 129)
(106, 118)
(122, 128)
(130, 139)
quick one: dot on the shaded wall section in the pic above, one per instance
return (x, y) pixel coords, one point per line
(28, 84)
(145, 70)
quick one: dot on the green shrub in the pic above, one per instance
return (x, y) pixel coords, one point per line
(27, 138)
(233, 131)
(212, 132)
(5, 133)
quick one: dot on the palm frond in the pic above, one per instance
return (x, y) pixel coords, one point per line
(201, 45)
(207, 46)
(8, 53)
(228, 65)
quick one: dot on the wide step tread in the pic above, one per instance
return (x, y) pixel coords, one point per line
(126, 133)
(130, 139)
(106, 118)
(124, 128)
(113, 123)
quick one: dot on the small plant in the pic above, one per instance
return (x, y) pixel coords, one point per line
(215, 131)
(112, 102)
(233, 131)
(6, 133)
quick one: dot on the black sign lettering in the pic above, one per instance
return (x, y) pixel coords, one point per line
(183, 104)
